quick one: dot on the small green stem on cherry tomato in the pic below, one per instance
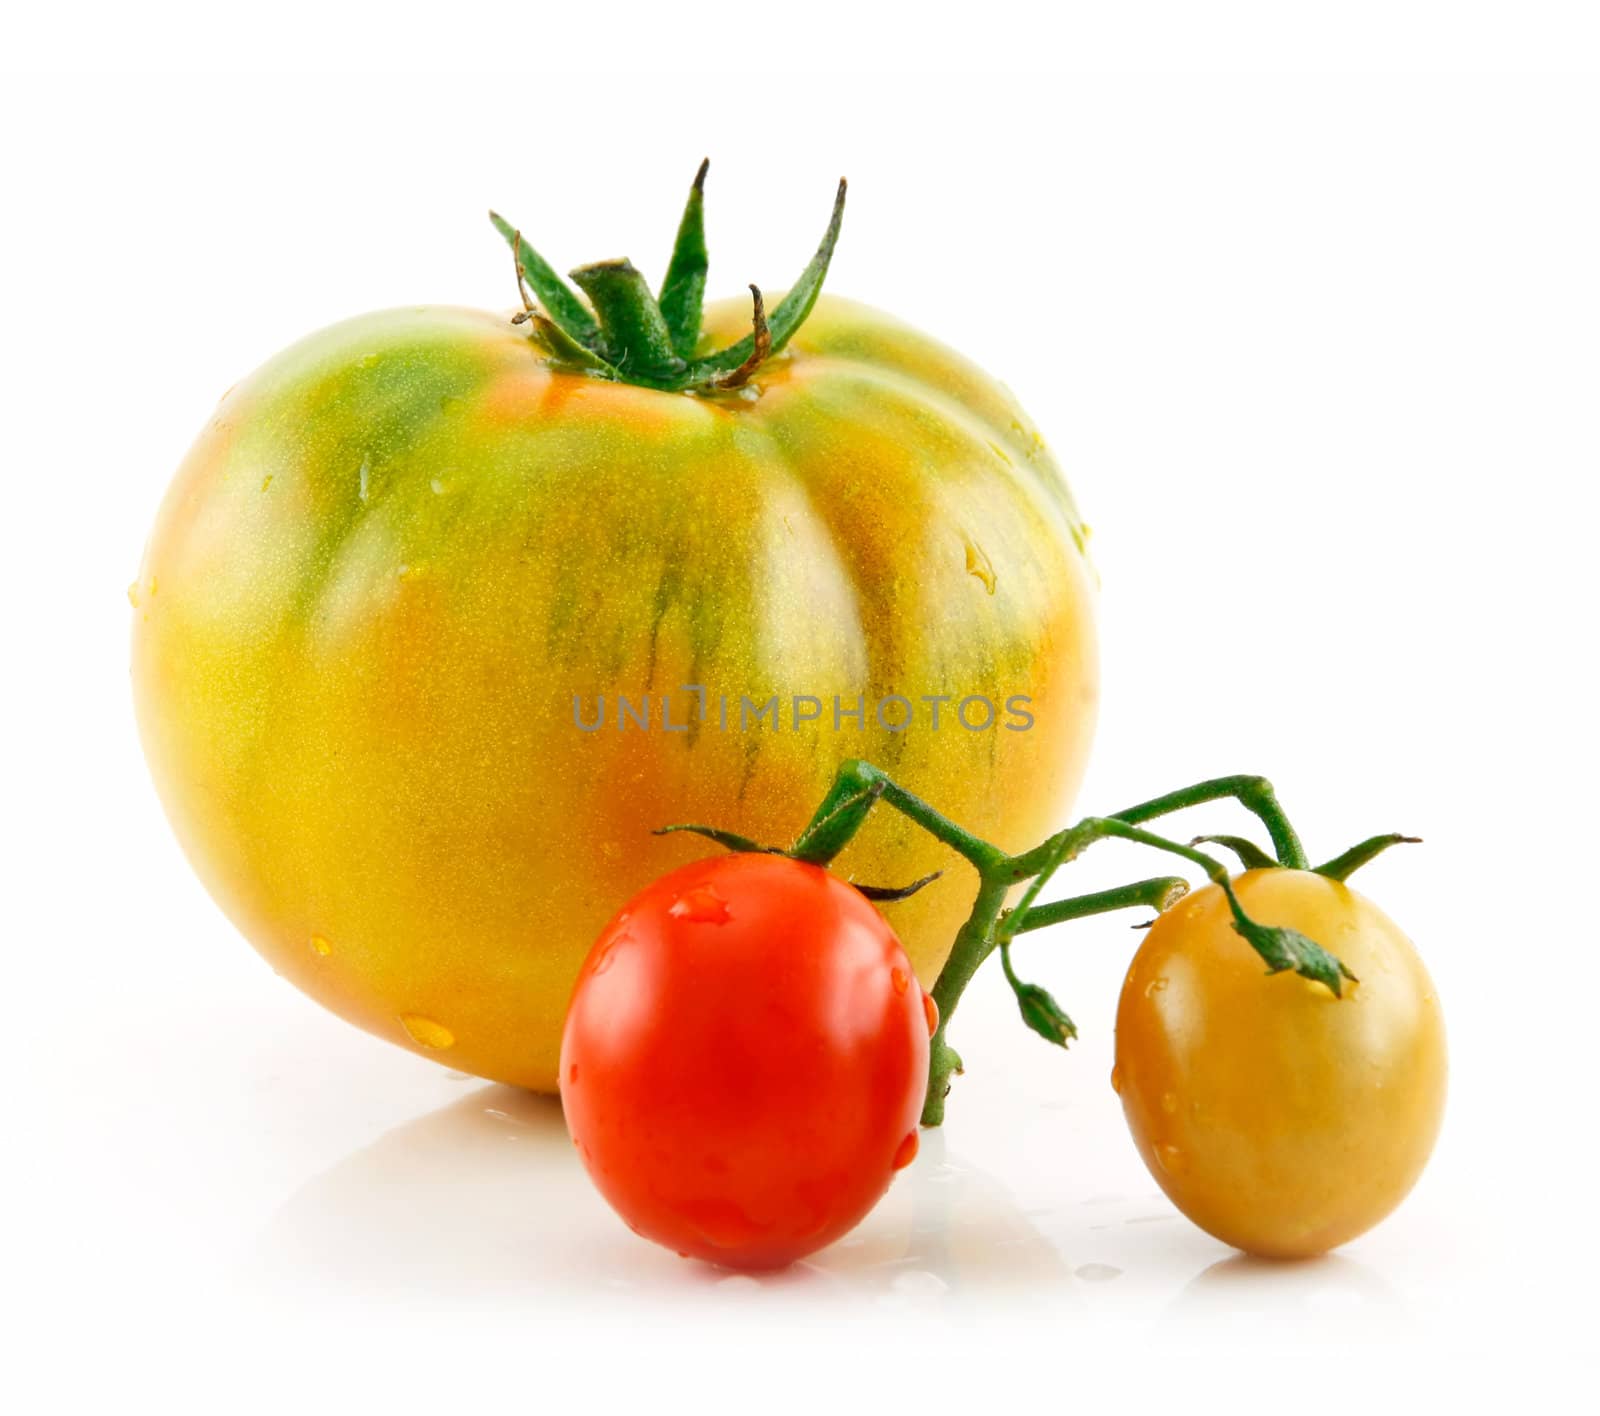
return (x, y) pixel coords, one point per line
(841, 814)
(893, 894)
(1158, 894)
(1098, 828)
(1251, 856)
(974, 941)
(1255, 794)
(726, 839)
(1281, 949)
(1342, 867)
(857, 786)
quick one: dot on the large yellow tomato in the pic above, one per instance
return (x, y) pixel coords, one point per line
(1278, 1117)
(410, 559)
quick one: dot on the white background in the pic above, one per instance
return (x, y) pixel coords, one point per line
(1307, 300)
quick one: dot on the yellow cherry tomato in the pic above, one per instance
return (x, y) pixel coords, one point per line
(1277, 1117)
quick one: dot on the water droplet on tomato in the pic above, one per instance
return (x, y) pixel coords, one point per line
(930, 1010)
(321, 945)
(427, 1033)
(266, 481)
(979, 565)
(364, 478)
(437, 484)
(722, 1224)
(701, 905)
(1171, 1159)
(133, 594)
(898, 980)
(572, 1074)
(1169, 1102)
(906, 1151)
(1155, 986)
(1116, 1080)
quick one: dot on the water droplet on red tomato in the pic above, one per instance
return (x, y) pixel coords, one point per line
(701, 905)
(572, 1074)
(930, 1010)
(723, 1225)
(906, 1152)
(898, 980)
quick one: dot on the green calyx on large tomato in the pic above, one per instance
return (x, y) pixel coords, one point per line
(628, 334)
(409, 559)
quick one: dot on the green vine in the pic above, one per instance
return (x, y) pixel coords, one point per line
(858, 787)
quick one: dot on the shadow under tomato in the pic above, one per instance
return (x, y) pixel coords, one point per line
(1287, 1293)
(484, 1198)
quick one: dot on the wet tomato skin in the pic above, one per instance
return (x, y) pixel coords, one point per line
(407, 556)
(1277, 1117)
(744, 1060)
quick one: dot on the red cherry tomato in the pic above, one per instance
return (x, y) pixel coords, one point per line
(744, 1060)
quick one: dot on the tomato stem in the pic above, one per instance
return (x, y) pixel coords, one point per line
(858, 786)
(1342, 867)
(633, 337)
(974, 942)
(1251, 856)
(1255, 794)
(1157, 894)
(632, 328)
